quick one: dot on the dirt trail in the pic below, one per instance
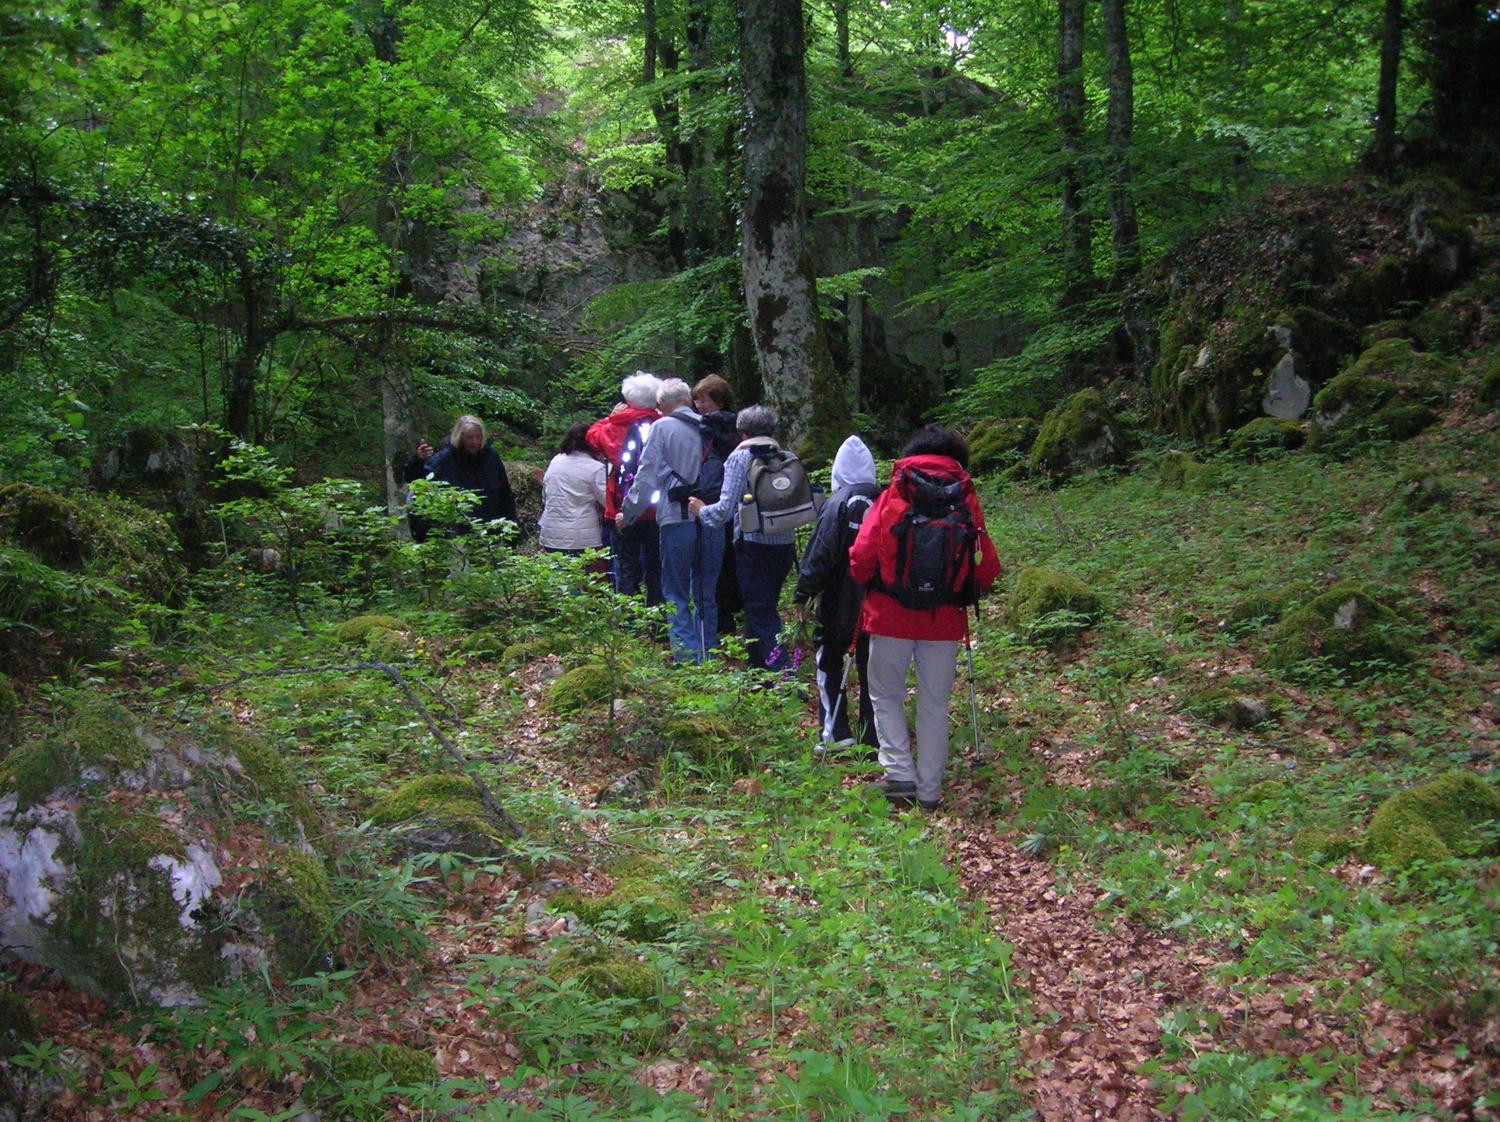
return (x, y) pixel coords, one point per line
(1098, 983)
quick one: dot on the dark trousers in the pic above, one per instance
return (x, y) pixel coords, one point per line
(637, 558)
(833, 700)
(762, 570)
(729, 587)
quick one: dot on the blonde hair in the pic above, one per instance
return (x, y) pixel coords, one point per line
(467, 421)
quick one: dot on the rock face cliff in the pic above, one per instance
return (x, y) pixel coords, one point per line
(579, 241)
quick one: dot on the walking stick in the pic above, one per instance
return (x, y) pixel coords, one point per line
(973, 697)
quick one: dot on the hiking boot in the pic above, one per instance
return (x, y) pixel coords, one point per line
(900, 792)
(930, 804)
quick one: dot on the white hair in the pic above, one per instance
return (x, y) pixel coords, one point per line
(640, 389)
(673, 394)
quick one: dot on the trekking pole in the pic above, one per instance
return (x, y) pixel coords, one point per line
(973, 697)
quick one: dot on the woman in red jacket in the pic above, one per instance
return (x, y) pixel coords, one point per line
(924, 557)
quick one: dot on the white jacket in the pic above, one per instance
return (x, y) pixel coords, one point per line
(573, 499)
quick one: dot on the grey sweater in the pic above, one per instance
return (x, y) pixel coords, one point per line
(673, 455)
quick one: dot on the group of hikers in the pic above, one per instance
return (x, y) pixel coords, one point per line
(684, 492)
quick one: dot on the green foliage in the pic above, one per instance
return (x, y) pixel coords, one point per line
(1266, 436)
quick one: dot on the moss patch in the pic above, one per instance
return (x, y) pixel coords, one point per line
(589, 684)
(294, 903)
(1387, 394)
(1080, 435)
(640, 908)
(1266, 435)
(98, 743)
(603, 971)
(354, 631)
(1438, 820)
(1345, 627)
(1046, 605)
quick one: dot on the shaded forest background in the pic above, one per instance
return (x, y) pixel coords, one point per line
(328, 227)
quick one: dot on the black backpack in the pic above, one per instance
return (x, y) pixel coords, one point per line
(935, 544)
(710, 482)
(630, 456)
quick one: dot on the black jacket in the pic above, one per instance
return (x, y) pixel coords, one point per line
(483, 473)
(825, 565)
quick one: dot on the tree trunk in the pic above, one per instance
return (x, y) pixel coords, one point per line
(1077, 238)
(1121, 116)
(841, 37)
(780, 286)
(1383, 147)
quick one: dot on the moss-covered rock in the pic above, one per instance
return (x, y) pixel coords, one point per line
(589, 684)
(1327, 843)
(1385, 329)
(115, 847)
(999, 442)
(97, 745)
(603, 971)
(353, 632)
(1345, 627)
(1220, 385)
(640, 908)
(439, 814)
(1438, 820)
(1080, 435)
(1266, 435)
(10, 714)
(1047, 606)
(1389, 393)
(1178, 469)
(526, 485)
(486, 642)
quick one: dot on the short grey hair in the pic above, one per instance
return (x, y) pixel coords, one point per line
(674, 393)
(756, 420)
(640, 389)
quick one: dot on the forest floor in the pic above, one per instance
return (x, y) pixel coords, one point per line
(1130, 907)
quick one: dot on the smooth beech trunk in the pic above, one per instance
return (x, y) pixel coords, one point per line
(780, 290)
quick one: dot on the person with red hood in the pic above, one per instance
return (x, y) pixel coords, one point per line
(924, 558)
(619, 439)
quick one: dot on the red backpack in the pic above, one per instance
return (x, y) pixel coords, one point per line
(937, 544)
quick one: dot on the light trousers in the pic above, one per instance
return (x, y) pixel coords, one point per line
(937, 666)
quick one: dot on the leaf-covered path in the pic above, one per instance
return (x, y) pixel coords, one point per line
(1101, 986)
